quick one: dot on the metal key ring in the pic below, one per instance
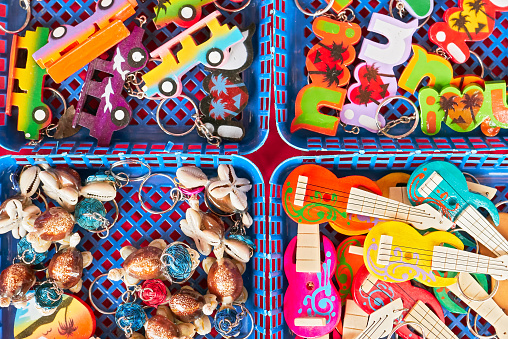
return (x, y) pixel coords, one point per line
(469, 175)
(159, 121)
(246, 310)
(390, 9)
(141, 198)
(504, 202)
(475, 330)
(53, 127)
(91, 299)
(318, 12)
(234, 10)
(405, 323)
(106, 229)
(129, 161)
(24, 4)
(390, 125)
(489, 296)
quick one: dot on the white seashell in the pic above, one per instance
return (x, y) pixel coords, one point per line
(7, 225)
(243, 296)
(126, 251)
(101, 191)
(237, 250)
(219, 189)
(29, 181)
(194, 203)
(5, 302)
(14, 209)
(49, 181)
(191, 177)
(226, 172)
(165, 311)
(68, 196)
(247, 219)
(243, 184)
(76, 288)
(203, 325)
(239, 200)
(211, 237)
(116, 274)
(194, 257)
(207, 263)
(211, 304)
(130, 281)
(74, 239)
(39, 245)
(186, 330)
(194, 218)
(87, 258)
(159, 243)
(187, 287)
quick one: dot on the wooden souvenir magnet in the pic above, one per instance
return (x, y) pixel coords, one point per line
(165, 79)
(113, 112)
(25, 84)
(70, 48)
(472, 20)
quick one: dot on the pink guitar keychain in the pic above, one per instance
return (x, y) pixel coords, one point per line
(312, 305)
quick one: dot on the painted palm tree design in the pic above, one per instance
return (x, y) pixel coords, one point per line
(372, 73)
(446, 104)
(332, 75)
(219, 110)
(365, 96)
(460, 23)
(336, 51)
(479, 6)
(472, 101)
(162, 5)
(67, 328)
(219, 84)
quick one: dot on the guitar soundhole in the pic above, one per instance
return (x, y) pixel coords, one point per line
(310, 285)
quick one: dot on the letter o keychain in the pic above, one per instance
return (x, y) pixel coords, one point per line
(402, 120)
(25, 5)
(212, 139)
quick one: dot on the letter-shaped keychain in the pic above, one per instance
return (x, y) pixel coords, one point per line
(376, 79)
(113, 113)
(472, 20)
(326, 63)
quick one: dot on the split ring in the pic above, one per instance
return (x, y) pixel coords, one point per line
(318, 12)
(405, 323)
(159, 120)
(106, 229)
(475, 330)
(388, 126)
(91, 299)
(143, 205)
(129, 161)
(390, 9)
(25, 4)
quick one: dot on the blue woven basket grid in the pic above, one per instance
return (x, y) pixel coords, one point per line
(143, 135)
(293, 38)
(282, 229)
(137, 228)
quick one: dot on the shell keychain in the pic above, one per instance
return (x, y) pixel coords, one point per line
(185, 314)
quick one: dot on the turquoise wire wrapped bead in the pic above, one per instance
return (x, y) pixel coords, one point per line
(87, 207)
(177, 262)
(224, 320)
(27, 253)
(130, 315)
(47, 296)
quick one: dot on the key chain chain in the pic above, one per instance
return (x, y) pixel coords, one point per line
(402, 120)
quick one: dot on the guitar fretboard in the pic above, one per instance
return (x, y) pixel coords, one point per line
(433, 326)
(452, 259)
(474, 223)
(355, 320)
(308, 249)
(373, 205)
(301, 189)
(488, 309)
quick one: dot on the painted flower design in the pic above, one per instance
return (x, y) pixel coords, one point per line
(230, 184)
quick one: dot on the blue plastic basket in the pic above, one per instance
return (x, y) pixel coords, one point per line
(488, 169)
(143, 135)
(138, 228)
(293, 38)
